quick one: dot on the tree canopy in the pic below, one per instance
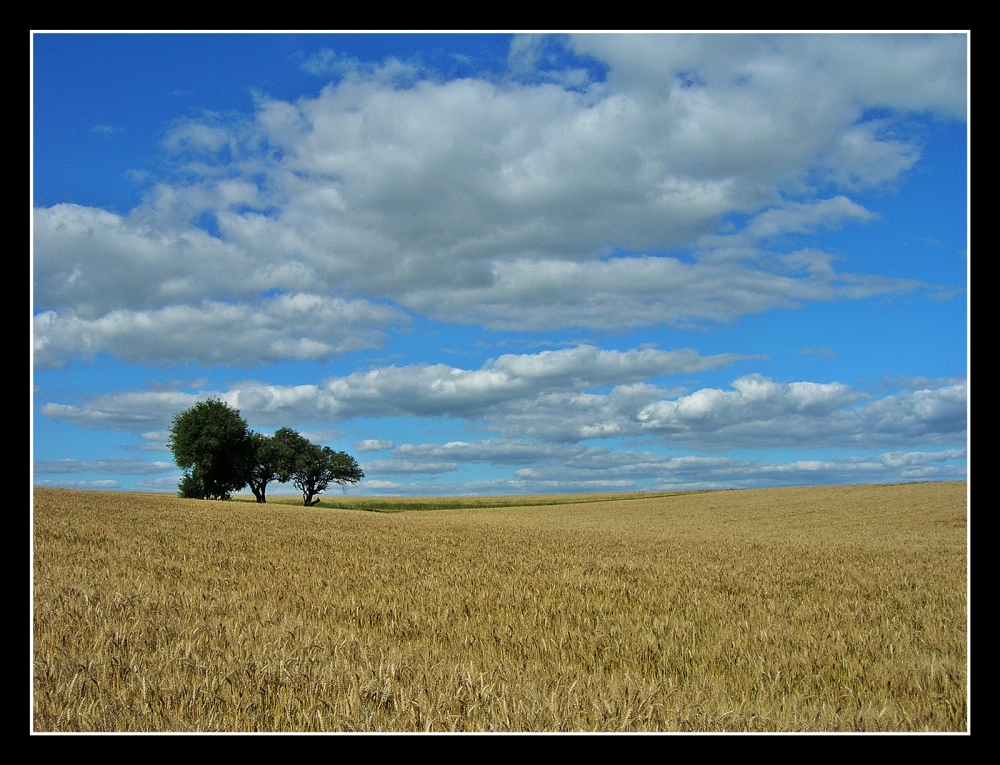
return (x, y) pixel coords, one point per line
(213, 445)
(219, 454)
(316, 467)
(270, 463)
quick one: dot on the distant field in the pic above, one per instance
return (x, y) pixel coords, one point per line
(411, 504)
(804, 609)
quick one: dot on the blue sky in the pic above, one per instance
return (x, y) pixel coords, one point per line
(505, 264)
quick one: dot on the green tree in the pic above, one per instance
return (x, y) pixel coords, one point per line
(291, 443)
(312, 468)
(213, 445)
(318, 467)
(271, 462)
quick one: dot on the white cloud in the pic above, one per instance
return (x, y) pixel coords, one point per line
(126, 466)
(439, 389)
(197, 137)
(500, 202)
(284, 328)
(540, 467)
(863, 158)
(373, 445)
(422, 390)
(546, 396)
(392, 71)
(920, 415)
(762, 413)
(390, 467)
(911, 459)
(573, 468)
(93, 262)
(630, 292)
(648, 470)
(909, 72)
(805, 218)
(103, 485)
(498, 451)
(755, 399)
(125, 410)
(168, 485)
(390, 487)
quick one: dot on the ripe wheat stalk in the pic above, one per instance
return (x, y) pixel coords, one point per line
(840, 608)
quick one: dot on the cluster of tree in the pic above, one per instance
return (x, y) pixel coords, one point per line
(219, 454)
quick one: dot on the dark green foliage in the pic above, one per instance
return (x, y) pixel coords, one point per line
(292, 444)
(271, 462)
(220, 454)
(316, 467)
(192, 486)
(213, 445)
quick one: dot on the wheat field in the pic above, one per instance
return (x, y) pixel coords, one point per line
(804, 609)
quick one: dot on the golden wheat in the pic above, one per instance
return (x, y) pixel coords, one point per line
(839, 608)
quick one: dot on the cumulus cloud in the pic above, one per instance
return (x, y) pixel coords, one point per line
(928, 415)
(573, 467)
(762, 413)
(920, 459)
(439, 389)
(126, 410)
(754, 399)
(93, 262)
(422, 390)
(507, 212)
(549, 396)
(905, 72)
(283, 328)
(126, 466)
(628, 292)
(756, 413)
